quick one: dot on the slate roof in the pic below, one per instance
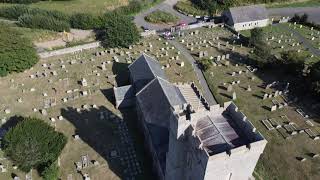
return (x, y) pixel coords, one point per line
(248, 13)
(145, 67)
(217, 134)
(124, 92)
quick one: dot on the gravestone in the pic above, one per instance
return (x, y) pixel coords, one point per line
(234, 96)
(229, 88)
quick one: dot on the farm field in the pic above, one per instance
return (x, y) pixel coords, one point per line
(74, 93)
(79, 6)
(230, 77)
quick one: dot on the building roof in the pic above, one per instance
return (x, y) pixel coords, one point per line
(124, 92)
(217, 134)
(157, 99)
(248, 13)
(145, 68)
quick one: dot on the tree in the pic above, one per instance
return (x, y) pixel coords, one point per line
(257, 36)
(84, 21)
(16, 53)
(118, 30)
(293, 61)
(315, 78)
(32, 143)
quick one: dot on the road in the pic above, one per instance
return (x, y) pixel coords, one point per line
(206, 91)
(304, 42)
(164, 6)
(313, 12)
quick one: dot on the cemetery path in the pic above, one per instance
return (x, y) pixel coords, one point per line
(313, 12)
(301, 38)
(206, 91)
(167, 6)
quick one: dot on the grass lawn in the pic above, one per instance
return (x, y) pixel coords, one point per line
(98, 136)
(301, 3)
(74, 6)
(161, 17)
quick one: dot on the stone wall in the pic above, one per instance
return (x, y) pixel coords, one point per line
(69, 50)
(148, 33)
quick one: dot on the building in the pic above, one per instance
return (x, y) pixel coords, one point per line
(186, 138)
(246, 17)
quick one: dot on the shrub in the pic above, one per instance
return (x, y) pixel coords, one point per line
(51, 172)
(133, 7)
(43, 22)
(14, 12)
(161, 17)
(205, 64)
(188, 8)
(118, 31)
(32, 143)
(16, 53)
(84, 21)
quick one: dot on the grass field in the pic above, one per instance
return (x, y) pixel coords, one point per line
(301, 3)
(79, 6)
(98, 136)
(279, 160)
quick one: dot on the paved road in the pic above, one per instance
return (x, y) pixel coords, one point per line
(164, 6)
(313, 12)
(305, 42)
(206, 91)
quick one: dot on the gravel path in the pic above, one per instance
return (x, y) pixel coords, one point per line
(206, 91)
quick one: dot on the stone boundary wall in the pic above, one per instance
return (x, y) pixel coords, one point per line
(69, 50)
(148, 33)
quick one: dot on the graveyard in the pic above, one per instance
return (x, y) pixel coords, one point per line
(74, 94)
(289, 124)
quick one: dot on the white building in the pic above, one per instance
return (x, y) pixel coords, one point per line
(246, 17)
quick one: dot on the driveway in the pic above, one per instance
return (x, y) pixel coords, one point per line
(166, 6)
(313, 12)
(206, 91)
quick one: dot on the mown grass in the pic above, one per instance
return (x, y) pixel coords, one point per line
(161, 17)
(303, 3)
(74, 6)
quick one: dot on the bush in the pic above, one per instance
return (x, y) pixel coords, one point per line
(51, 172)
(16, 53)
(205, 64)
(161, 17)
(188, 8)
(14, 12)
(85, 21)
(133, 7)
(118, 31)
(32, 143)
(43, 22)
(293, 61)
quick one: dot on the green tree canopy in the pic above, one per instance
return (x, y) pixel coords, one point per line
(32, 143)
(257, 36)
(118, 31)
(16, 53)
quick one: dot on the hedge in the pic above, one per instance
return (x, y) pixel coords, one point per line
(43, 22)
(85, 21)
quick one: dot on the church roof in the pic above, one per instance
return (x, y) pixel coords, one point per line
(145, 67)
(248, 13)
